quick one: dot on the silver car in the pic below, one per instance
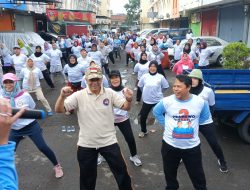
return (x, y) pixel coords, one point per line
(214, 44)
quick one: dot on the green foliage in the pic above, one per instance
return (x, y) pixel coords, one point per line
(133, 11)
(236, 56)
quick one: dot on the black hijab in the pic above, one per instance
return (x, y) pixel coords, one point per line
(116, 73)
(198, 89)
(70, 64)
(153, 63)
(141, 60)
(38, 54)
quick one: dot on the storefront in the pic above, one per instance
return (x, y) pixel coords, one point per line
(209, 23)
(67, 22)
(231, 23)
(24, 23)
(6, 21)
(195, 23)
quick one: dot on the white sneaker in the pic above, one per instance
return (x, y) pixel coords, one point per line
(67, 113)
(137, 102)
(136, 160)
(58, 171)
(142, 134)
(100, 159)
(135, 88)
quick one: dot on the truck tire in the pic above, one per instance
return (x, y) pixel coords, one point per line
(244, 130)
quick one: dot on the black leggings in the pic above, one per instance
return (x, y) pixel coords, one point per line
(126, 130)
(138, 94)
(127, 58)
(111, 57)
(208, 131)
(146, 108)
(47, 78)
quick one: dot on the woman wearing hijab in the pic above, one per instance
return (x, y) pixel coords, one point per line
(150, 46)
(184, 64)
(208, 128)
(30, 77)
(157, 55)
(122, 118)
(41, 60)
(141, 68)
(26, 127)
(204, 55)
(74, 72)
(151, 84)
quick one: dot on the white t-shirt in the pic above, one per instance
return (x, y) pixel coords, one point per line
(76, 51)
(23, 101)
(19, 61)
(84, 62)
(55, 55)
(152, 86)
(141, 69)
(75, 73)
(157, 57)
(177, 52)
(25, 73)
(135, 52)
(119, 114)
(207, 94)
(40, 61)
(96, 56)
(182, 119)
(204, 56)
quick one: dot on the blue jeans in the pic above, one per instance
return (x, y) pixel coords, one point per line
(34, 131)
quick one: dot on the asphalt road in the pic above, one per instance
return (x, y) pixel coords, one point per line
(36, 173)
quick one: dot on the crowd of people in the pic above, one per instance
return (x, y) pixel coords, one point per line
(91, 89)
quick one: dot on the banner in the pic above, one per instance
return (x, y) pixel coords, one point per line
(57, 28)
(70, 16)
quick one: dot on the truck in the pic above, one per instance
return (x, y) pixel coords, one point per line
(232, 98)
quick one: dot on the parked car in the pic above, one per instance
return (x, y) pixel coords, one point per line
(214, 44)
(48, 36)
(175, 33)
(153, 31)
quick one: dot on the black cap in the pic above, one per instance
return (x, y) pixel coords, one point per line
(114, 73)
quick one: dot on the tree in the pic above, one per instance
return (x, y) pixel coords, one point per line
(133, 11)
(236, 56)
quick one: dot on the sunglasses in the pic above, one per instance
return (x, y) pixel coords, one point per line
(8, 82)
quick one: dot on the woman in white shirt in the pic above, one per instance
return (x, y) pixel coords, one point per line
(204, 54)
(76, 49)
(6, 57)
(122, 118)
(208, 128)
(55, 62)
(41, 60)
(31, 76)
(74, 71)
(151, 84)
(141, 68)
(26, 127)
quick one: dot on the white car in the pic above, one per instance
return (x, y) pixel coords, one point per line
(214, 44)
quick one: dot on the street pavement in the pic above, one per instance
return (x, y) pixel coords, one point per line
(36, 173)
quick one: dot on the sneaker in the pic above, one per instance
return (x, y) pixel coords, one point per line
(223, 166)
(135, 88)
(136, 160)
(142, 134)
(100, 159)
(58, 171)
(133, 73)
(67, 113)
(50, 113)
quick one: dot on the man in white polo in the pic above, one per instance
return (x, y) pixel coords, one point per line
(94, 106)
